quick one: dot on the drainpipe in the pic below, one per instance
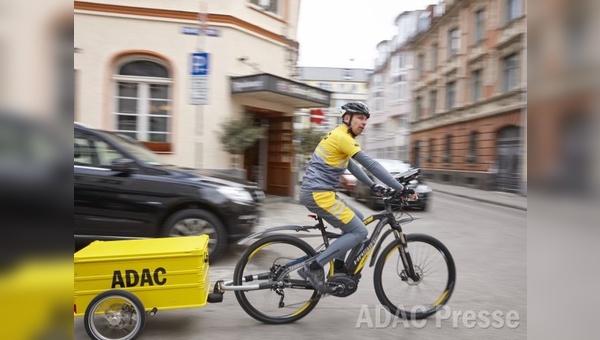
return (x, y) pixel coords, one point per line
(523, 145)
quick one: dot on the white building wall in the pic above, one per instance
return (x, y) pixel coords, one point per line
(101, 37)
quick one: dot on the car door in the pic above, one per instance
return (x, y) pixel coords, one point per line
(107, 203)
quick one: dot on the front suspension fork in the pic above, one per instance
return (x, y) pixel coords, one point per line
(406, 259)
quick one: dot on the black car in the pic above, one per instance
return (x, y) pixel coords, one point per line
(121, 191)
(363, 193)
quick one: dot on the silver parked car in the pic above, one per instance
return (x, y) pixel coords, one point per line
(363, 193)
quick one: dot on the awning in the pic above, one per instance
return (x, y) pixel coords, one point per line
(275, 89)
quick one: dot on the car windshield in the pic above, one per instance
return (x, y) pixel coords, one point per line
(393, 165)
(134, 147)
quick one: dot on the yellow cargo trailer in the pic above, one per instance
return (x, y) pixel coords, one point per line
(119, 283)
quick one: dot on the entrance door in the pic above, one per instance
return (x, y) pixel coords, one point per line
(509, 140)
(255, 158)
(280, 155)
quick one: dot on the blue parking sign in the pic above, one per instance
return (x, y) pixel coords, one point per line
(199, 64)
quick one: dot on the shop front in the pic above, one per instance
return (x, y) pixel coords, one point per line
(270, 162)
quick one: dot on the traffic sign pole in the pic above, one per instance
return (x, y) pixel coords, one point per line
(199, 83)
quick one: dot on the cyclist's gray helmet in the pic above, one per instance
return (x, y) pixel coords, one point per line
(355, 107)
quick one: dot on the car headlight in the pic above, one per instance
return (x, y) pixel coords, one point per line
(421, 189)
(237, 195)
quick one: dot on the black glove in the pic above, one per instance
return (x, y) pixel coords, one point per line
(404, 193)
(377, 189)
(408, 191)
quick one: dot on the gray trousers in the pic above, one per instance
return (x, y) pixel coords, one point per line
(336, 212)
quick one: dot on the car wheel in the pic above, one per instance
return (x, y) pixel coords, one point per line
(191, 222)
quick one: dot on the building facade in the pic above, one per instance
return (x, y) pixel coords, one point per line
(469, 98)
(390, 88)
(345, 84)
(140, 70)
(563, 106)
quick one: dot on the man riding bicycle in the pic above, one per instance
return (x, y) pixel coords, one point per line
(337, 151)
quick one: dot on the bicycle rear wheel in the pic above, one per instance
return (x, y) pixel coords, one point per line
(415, 299)
(267, 258)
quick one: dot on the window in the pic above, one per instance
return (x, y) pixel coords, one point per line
(420, 65)
(430, 159)
(419, 108)
(378, 101)
(472, 155)
(510, 72)
(403, 91)
(404, 122)
(271, 6)
(479, 32)
(395, 64)
(476, 85)
(432, 102)
(434, 54)
(513, 9)
(423, 23)
(448, 154)
(25, 144)
(578, 36)
(450, 95)
(396, 92)
(91, 151)
(417, 154)
(143, 103)
(453, 42)
(377, 82)
(63, 59)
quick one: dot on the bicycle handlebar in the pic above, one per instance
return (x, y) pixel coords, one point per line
(408, 176)
(391, 197)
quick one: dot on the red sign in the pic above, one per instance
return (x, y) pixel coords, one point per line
(317, 116)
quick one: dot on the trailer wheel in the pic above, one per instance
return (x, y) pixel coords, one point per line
(114, 314)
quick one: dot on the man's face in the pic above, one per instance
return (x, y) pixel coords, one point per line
(358, 123)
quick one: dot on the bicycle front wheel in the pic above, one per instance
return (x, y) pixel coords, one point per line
(263, 262)
(406, 297)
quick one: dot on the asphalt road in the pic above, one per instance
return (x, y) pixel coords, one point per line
(489, 246)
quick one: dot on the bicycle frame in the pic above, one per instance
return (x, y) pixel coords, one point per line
(370, 247)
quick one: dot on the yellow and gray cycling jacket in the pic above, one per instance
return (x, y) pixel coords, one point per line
(333, 155)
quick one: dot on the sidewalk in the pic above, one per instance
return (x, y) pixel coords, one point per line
(500, 198)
